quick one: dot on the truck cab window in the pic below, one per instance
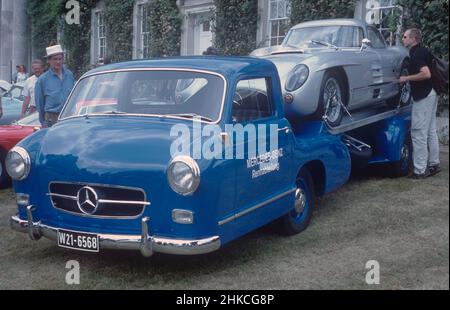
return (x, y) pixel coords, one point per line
(252, 101)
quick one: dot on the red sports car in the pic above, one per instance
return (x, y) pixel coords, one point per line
(10, 135)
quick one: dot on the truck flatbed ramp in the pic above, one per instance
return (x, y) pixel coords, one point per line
(366, 117)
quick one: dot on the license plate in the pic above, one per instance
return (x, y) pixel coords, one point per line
(78, 240)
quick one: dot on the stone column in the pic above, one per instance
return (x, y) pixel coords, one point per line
(19, 37)
(6, 31)
(14, 45)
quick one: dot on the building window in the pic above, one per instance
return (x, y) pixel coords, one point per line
(101, 36)
(145, 31)
(378, 13)
(279, 11)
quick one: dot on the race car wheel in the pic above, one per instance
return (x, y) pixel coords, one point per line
(403, 98)
(332, 99)
(4, 177)
(299, 217)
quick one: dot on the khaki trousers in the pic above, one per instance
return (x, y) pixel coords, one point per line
(424, 134)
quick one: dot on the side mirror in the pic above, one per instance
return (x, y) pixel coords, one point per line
(365, 44)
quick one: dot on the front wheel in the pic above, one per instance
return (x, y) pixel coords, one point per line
(299, 217)
(332, 99)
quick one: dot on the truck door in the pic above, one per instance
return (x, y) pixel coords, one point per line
(262, 171)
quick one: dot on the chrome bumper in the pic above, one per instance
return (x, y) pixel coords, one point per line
(145, 243)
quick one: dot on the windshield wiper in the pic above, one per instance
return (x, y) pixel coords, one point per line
(324, 44)
(190, 115)
(88, 115)
(112, 112)
(294, 49)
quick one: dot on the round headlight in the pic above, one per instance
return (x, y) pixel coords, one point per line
(297, 77)
(183, 175)
(18, 163)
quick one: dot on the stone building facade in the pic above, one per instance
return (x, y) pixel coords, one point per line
(14, 47)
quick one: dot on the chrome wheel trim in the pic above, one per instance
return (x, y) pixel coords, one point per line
(405, 90)
(404, 152)
(404, 156)
(300, 201)
(332, 99)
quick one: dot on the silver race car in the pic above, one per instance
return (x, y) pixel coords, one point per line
(330, 66)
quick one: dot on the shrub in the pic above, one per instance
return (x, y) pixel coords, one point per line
(234, 25)
(165, 28)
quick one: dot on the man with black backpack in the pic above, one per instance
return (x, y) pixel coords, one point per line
(423, 122)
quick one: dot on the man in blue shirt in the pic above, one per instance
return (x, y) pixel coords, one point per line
(53, 87)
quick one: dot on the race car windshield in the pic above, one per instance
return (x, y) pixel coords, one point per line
(165, 93)
(324, 36)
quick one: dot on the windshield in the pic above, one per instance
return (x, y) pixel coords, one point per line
(152, 92)
(315, 37)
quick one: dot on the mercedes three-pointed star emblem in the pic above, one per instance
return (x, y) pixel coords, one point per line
(87, 200)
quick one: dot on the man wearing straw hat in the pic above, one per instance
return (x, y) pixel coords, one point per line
(53, 87)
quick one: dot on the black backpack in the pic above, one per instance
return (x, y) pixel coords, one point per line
(439, 75)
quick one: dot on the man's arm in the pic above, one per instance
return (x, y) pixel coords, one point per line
(26, 103)
(424, 74)
(39, 100)
(1, 108)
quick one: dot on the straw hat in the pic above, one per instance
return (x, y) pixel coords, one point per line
(54, 50)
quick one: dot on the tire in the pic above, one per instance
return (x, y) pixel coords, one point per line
(332, 98)
(403, 167)
(5, 180)
(299, 217)
(403, 98)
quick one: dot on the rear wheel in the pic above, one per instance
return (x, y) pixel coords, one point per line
(403, 167)
(332, 98)
(299, 217)
(403, 97)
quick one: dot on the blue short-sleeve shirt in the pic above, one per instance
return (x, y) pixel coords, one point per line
(51, 92)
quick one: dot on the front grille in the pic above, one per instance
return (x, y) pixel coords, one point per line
(108, 200)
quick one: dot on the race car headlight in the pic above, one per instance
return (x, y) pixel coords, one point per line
(183, 175)
(297, 77)
(18, 163)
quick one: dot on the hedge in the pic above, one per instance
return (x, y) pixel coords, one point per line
(234, 25)
(165, 28)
